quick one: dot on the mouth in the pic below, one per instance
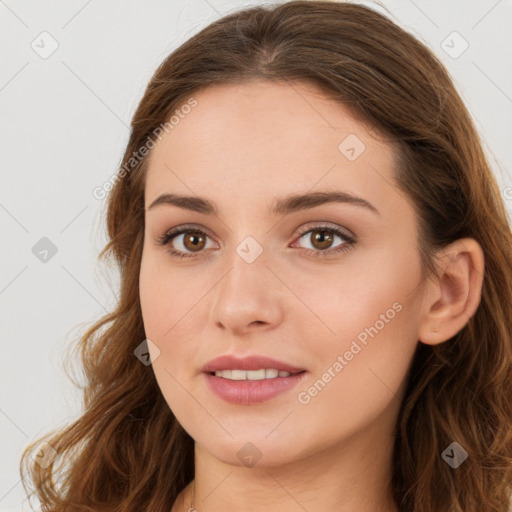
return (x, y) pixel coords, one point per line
(251, 379)
(243, 387)
(253, 375)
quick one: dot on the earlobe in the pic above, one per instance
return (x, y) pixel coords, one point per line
(453, 297)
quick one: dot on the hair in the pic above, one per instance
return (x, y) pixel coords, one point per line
(127, 452)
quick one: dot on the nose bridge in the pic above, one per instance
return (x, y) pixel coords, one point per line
(248, 292)
(249, 241)
(248, 263)
(249, 244)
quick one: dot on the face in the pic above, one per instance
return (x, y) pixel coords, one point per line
(331, 288)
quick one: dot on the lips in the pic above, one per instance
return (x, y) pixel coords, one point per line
(256, 362)
(249, 392)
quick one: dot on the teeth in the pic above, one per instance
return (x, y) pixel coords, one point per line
(261, 374)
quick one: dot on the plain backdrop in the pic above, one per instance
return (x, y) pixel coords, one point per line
(72, 73)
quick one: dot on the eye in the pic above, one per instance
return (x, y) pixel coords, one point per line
(322, 238)
(194, 240)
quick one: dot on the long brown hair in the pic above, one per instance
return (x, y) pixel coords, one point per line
(127, 452)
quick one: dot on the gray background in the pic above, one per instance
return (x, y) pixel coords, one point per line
(64, 124)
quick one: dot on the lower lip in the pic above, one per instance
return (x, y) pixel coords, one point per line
(246, 392)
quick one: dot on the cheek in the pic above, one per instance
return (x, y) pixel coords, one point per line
(343, 300)
(360, 375)
(169, 300)
(360, 367)
(152, 299)
(167, 325)
(360, 380)
(173, 306)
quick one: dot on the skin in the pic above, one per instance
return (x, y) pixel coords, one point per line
(242, 146)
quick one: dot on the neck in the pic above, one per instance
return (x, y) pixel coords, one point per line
(353, 476)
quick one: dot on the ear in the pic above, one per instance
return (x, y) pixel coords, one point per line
(452, 297)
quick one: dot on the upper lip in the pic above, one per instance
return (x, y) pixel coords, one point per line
(256, 362)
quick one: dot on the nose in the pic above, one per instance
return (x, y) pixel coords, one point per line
(250, 295)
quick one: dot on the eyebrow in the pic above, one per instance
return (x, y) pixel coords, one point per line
(281, 206)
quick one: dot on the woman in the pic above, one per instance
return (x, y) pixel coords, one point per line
(316, 285)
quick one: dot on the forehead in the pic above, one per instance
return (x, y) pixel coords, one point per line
(260, 140)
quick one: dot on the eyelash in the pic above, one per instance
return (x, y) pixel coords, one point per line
(173, 233)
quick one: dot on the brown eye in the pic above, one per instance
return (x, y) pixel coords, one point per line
(194, 241)
(184, 241)
(321, 239)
